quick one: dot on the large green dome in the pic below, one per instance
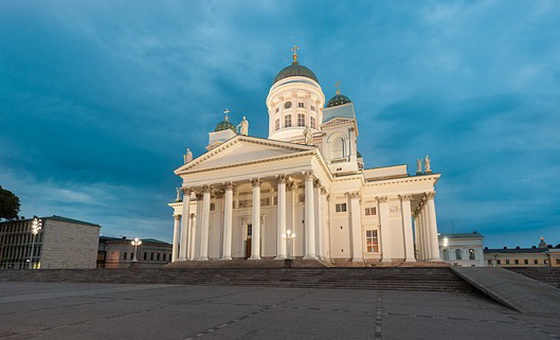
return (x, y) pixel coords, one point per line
(295, 70)
(337, 100)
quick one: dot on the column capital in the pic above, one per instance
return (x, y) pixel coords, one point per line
(219, 194)
(186, 190)
(323, 190)
(381, 199)
(207, 188)
(405, 197)
(354, 195)
(283, 179)
(308, 175)
(430, 195)
(177, 217)
(229, 185)
(199, 196)
(256, 182)
(317, 183)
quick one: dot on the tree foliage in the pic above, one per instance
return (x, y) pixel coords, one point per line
(9, 204)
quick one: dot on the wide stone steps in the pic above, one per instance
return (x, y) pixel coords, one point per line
(548, 275)
(420, 279)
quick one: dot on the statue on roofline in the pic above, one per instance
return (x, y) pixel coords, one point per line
(243, 127)
(187, 157)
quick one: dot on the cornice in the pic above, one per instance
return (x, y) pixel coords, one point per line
(410, 179)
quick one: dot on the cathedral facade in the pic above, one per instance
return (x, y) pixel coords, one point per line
(302, 192)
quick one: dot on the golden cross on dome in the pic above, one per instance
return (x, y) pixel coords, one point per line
(226, 113)
(337, 85)
(295, 53)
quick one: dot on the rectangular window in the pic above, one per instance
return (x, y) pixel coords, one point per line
(277, 124)
(244, 204)
(536, 261)
(545, 261)
(371, 211)
(489, 262)
(300, 105)
(526, 261)
(516, 261)
(300, 119)
(499, 261)
(265, 202)
(277, 109)
(312, 108)
(372, 243)
(507, 261)
(340, 207)
(312, 120)
(212, 206)
(287, 121)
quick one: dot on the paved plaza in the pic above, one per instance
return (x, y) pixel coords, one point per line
(143, 311)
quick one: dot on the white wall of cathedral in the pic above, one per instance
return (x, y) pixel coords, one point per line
(293, 104)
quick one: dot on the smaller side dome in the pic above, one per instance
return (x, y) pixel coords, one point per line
(338, 99)
(225, 124)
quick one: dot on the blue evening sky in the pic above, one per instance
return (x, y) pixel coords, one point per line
(99, 99)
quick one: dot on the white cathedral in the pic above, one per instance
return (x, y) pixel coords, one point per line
(303, 192)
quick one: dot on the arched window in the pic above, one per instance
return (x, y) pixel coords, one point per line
(446, 255)
(337, 148)
(458, 254)
(471, 254)
(158, 256)
(124, 257)
(145, 256)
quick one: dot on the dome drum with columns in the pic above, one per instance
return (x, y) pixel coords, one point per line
(242, 196)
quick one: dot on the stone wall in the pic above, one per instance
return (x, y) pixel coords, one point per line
(69, 245)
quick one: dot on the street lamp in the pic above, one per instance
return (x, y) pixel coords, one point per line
(289, 236)
(136, 242)
(36, 226)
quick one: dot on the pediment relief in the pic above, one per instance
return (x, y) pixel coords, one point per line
(243, 149)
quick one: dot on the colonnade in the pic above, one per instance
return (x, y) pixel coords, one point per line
(427, 243)
(187, 224)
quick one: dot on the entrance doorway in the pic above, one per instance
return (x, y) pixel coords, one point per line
(248, 241)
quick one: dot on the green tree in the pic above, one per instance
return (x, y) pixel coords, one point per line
(9, 204)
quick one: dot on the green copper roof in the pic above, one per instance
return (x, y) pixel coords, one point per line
(337, 100)
(295, 70)
(224, 125)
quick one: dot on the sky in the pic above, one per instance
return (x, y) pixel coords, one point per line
(100, 99)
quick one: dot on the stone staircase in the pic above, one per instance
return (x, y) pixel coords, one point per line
(548, 275)
(418, 279)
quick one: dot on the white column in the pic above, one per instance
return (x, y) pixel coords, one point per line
(407, 228)
(176, 232)
(434, 256)
(318, 218)
(194, 251)
(228, 221)
(185, 224)
(417, 241)
(205, 223)
(256, 220)
(309, 218)
(326, 226)
(281, 219)
(356, 226)
(425, 235)
(384, 229)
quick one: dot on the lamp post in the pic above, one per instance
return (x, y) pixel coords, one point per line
(36, 226)
(136, 242)
(289, 236)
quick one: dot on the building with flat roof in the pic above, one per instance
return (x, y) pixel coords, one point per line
(462, 249)
(58, 243)
(543, 255)
(118, 252)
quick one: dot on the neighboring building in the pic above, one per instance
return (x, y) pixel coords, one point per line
(117, 252)
(462, 249)
(241, 196)
(542, 256)
(60, 243)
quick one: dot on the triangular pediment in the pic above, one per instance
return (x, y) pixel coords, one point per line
(243, 149)
(338, 121)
